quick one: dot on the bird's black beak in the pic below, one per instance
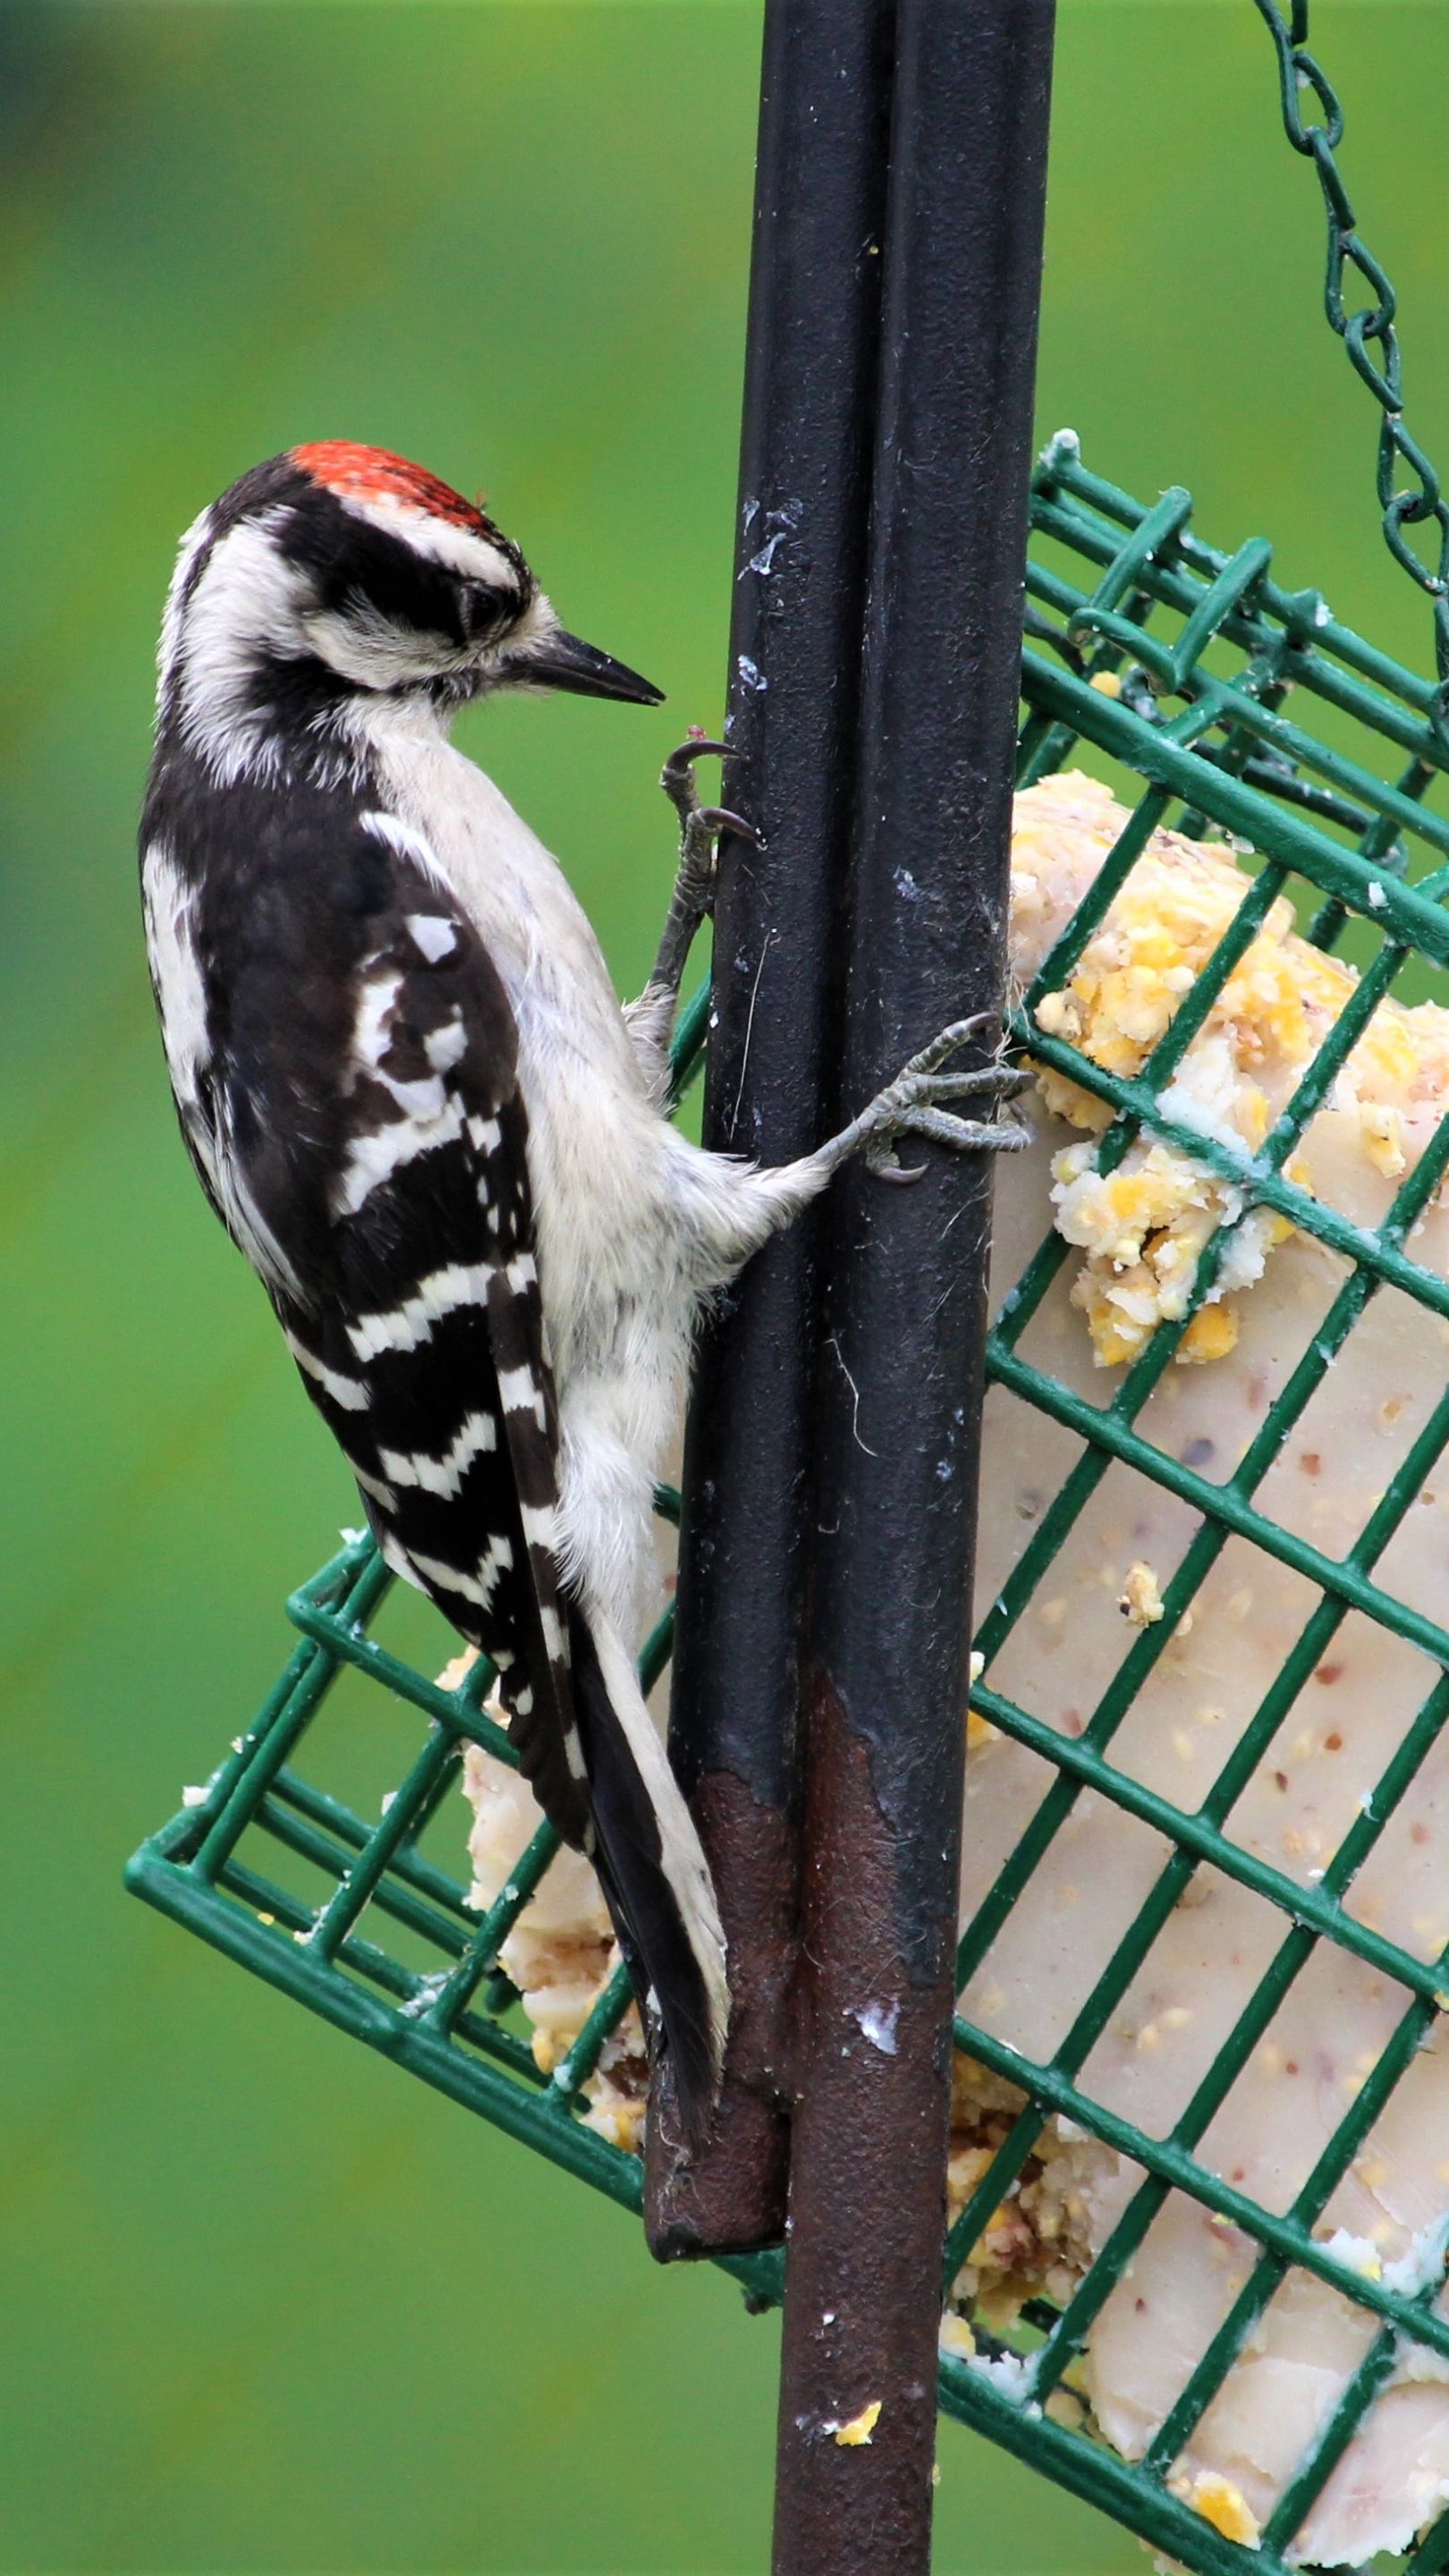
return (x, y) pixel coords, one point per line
(563, 661)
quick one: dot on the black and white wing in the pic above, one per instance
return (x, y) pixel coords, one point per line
(423, 1341)
(356, 1115)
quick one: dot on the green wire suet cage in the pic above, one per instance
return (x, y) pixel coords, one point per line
(1200, 652)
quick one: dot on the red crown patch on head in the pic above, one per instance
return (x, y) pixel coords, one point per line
(358, 473)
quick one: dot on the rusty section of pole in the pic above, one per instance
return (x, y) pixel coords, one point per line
(901, 1339)
(809, 412)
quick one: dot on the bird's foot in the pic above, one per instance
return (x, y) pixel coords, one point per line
(700, 827)
(692, 901)
(914, 1105)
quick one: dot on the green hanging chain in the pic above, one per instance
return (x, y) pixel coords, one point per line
(1367, 331)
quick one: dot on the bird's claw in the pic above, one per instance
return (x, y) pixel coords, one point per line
(677, 776)
(882, 1159)
(678, 766)
(718, 818)
(958, 1034)
(700, 826)
(700, 830)
(989, 1082)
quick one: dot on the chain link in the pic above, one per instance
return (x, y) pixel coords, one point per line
(1368, 333)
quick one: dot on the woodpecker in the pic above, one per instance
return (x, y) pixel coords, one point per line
(415, 1103)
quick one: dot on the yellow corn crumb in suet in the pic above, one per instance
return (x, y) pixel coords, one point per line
(1223, 2505)
(979, 1729)
(1140, 1601)
(860, 2427)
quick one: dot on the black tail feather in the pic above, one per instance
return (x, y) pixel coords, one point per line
(669, 1938)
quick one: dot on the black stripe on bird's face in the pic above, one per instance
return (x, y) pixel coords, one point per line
(366, 574)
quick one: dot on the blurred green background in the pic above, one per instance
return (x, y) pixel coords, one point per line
(268, 2306)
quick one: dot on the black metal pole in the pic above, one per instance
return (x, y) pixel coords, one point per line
(900, 1376)
(809, 412)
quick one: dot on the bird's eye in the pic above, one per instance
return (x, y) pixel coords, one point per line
(480, 609)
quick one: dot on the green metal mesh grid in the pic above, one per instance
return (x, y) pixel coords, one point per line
(1199, 653)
